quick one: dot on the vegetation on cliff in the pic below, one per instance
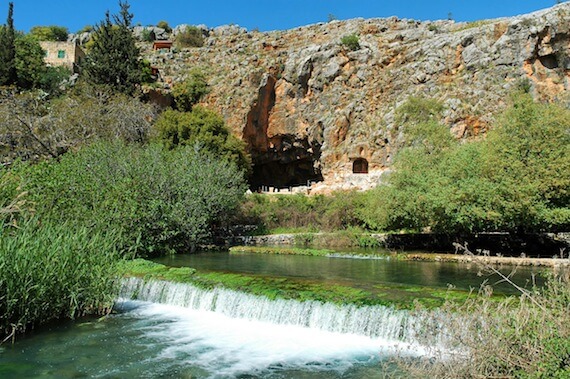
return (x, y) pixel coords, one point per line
(516, 179)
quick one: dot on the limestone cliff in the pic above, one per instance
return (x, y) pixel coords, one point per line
(308, 107)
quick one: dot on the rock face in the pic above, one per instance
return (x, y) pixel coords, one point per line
(308, 107)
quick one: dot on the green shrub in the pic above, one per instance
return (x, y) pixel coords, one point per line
(54, 270)
(190, 37)
(160, 200)
(518, 179)
(49, 33)
(190, 91)
(164, 25)
(201, 127)
(302, 213)
(351, 42)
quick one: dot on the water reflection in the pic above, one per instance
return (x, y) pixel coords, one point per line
(359, 273)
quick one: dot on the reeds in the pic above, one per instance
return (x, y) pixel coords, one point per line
(53, 271)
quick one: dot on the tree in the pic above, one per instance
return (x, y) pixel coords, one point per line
(529, 161)
(49, 33)
(189, 92)
(204, 128)
(8, 74)
(164, 25)
(30, 66)
(114, 58)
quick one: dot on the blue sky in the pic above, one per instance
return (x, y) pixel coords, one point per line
(265, 15)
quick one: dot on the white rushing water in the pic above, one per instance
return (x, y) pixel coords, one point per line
(389, 325)
(370, 321)
(225, 347)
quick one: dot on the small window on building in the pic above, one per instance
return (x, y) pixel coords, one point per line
(61, 54)
(360, 166)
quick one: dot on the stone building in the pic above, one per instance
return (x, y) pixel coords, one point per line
(67, 54)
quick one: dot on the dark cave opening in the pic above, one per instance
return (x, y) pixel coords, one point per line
(549, 61)
(284, 175)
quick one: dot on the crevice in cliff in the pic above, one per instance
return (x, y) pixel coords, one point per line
(283, 160)
(255, 131)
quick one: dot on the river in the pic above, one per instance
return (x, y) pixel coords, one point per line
(178, 331)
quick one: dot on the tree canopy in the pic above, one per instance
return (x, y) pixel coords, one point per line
(50, 33)
(8, 74)
(114, 59)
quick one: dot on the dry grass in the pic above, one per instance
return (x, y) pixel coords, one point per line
(520, 337)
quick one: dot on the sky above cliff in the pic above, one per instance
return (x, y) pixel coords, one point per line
(264, 15)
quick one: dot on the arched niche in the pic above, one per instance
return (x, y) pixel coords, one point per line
(360, 166)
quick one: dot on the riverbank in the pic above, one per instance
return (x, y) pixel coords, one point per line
(539, 245)
(411, 256)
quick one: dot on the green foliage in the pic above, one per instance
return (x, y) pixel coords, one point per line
(41, 128)
(529, 162)
(114, 58)
(190, 37)
(418, 110)
(30, 66)
(201, 127)
(49, 33)
(518, 179)
(299, 212)
(351, 42)
(54, 270)
(8, 75)
(86, 29)
(147, 35)
(190, 91)
(160, 200)
(164, 25)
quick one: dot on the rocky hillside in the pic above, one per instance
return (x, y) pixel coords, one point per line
(308, 107)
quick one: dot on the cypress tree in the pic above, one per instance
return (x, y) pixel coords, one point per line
(114, 57)
(8, 75)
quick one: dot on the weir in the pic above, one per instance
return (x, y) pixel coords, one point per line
(380, 322)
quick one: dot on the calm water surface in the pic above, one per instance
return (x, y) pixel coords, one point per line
(356, 272)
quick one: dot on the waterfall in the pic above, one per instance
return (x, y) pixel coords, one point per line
(370, 321)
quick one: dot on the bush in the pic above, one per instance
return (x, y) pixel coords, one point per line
(34, 128)
(190, 91)
(164, 25)
(351, 42)
(54, 270)
(302, 213)
(49, 33)
(518, 179)
(190, 37)
(201, 127)
(159, 200)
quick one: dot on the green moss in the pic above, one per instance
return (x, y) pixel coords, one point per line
(281, 250)
(398, 296)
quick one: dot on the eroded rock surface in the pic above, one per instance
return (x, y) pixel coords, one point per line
(308, 107)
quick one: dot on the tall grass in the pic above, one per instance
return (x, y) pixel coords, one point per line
(52, 271)
(519, 337)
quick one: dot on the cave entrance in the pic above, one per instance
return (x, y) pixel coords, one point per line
(283, 175)
(360, 166)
